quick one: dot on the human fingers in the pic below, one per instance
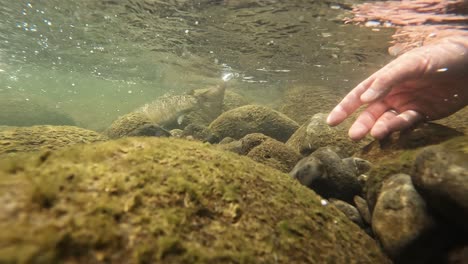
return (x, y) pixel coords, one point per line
(366, 120)
(348, 104)
(391, 122)
(406, 67)
(381, 127)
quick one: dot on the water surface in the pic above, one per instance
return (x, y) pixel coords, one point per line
(95, 60)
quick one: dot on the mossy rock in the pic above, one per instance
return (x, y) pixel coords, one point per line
(268, 151)
(163, 200)
(276, 155)
(126, 124)
(35, 138)
(421, 136)
(16, 111)
(249, 119)
(440, 174)
(397, 153)
(316, 133)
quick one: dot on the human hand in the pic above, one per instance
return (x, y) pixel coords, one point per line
(426, 83)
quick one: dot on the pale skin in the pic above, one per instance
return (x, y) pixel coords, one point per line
(426, 83)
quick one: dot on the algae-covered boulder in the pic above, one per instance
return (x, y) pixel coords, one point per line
(396, 154)
(263, 149)
(249, 119)
(27, 139)
(415, 138)
(269, 151)
(440, 173)
(126, 124)
(317, 133)
(164, 200)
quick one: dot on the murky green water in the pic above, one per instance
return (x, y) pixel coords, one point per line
(94, 60)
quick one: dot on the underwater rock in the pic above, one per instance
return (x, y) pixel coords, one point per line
(199, 132)
(440, 173)
(317, 133)
(126, 124)
(300, 103)
(35, 138)
(226, 140)
(308, 170)
(420, 136)
(325, 172)
(400, 218)
(249, 119)
(265, 150)
(363, 208)
(396, 154)
(20, 112)
(250, 141)
(166, 200)
(149, 130)
(233, 146)
(359, 166)
(270, 152)
(458, 255)
(350, 211)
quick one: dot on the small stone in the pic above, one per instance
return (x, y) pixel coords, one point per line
(363, 209)
(350, 211)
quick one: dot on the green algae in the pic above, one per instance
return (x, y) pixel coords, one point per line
(401, 161)
(165, 201)
(36, 138)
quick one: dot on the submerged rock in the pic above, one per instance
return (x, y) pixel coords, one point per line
(270, 152)
(149, 130)
(35, 138)
(401, 219)
(350, 211)
(421, 136)
(397, 153)
(163, 200)
(363, 208)
(249, 119)
(199, 132)
(325, 172)
(317, 133)
(126, 124)
(263, 149)
(440, 173)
